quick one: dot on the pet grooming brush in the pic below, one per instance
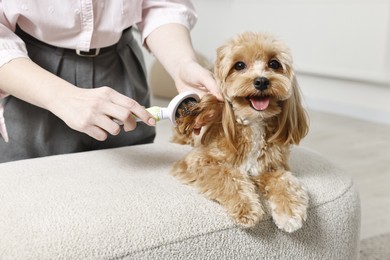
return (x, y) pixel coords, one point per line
(171, 112)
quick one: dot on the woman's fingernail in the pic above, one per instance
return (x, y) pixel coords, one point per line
(151, 121)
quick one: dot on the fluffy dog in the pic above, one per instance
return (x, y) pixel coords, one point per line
(240, 155)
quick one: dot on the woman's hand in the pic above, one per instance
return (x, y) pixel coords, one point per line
(99, 112)
(171, 45)
(193, 77)
(91, 111)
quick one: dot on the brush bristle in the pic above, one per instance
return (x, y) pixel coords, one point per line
(184, 109)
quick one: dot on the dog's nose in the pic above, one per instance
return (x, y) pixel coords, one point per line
(261, 83)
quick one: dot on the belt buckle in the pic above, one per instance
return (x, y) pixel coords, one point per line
(90, 53)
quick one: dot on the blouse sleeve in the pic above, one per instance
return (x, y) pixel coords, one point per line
(156, 13)
(11, 46)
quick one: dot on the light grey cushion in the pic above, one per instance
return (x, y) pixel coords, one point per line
(123, 203)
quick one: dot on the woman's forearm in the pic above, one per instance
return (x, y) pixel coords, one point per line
(171, 45)
(25, 80)
(86, 110)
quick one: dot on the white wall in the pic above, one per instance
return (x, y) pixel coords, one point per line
(341, 47)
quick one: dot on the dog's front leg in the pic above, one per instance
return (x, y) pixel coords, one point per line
(287, 199)
(232, 189)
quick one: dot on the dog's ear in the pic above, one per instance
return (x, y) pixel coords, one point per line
(222, 65)
(220, 121)
(207, 112)
(216, 116)
(222, 68)
(293, 122)
(229, 126)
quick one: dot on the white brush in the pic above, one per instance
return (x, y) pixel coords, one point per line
(170, 112)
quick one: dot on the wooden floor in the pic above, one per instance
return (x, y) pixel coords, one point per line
(361, 148)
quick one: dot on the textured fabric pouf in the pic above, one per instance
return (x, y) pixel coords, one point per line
(123, 203)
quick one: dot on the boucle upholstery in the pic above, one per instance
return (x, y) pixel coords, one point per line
(123, 203)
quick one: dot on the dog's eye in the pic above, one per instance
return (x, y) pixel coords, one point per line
(239, 65)
(274, 64)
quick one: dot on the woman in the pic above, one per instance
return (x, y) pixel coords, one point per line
(71, 70)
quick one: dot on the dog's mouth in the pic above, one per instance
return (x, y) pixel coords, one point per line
(259, 103)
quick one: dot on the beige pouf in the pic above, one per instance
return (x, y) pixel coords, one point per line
(123, 204)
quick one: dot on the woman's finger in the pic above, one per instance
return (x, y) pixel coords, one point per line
(129, 124)
(131, 107)
(97, 133)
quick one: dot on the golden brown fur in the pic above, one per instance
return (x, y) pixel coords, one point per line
(240, 157)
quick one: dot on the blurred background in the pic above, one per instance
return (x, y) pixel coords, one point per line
(341, 48)
(341, 51)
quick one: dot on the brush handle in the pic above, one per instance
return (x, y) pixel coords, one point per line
(157, 113)
(169, 112)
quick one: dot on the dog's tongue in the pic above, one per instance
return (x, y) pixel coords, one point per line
(259, 103)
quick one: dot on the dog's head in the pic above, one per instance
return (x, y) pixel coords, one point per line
(257, 80)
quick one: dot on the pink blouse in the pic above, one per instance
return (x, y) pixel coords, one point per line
(82, 24)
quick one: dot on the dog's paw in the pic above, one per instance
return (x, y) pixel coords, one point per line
(287, 200)
(248, 216)
(247, 220)
(290, 216)
(289, 223)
